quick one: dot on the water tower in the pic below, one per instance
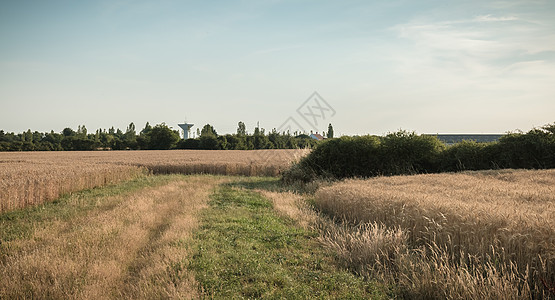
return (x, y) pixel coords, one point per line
(186, 127)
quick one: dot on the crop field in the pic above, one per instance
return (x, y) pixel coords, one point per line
(133, 225)
(29, 178)
(469, 235)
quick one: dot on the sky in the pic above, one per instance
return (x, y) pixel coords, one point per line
(376, 66)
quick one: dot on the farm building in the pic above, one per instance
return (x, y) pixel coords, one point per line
(450, 139)
(316, 136)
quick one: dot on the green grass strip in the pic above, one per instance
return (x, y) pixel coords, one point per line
(244, 250)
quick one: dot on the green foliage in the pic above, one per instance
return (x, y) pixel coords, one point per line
(208, 142)
(68, 132)
(77, 143)
(241, 129)
(341, 157)
(208, 130)
(189, 144)
(158, 137)
(236, 142)
(365, 156)
(147, 129)
(329, 134)
(162, 137)
(466, 155)
(533, 150)
(408, 153)
(130, 137)
(260, 140)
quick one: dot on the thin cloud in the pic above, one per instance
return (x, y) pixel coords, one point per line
(490, 18)
(485, 44)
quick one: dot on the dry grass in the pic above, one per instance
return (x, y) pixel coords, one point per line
(128, 247)
(293, 206)
(29, 178)
(24, 184)
(471, 235)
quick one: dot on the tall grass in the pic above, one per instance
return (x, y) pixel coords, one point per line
(124, 242)
(470, 235)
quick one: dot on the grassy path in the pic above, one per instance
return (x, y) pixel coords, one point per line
(169, 237)
(245, 250)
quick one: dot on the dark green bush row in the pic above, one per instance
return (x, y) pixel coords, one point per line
(408, 153)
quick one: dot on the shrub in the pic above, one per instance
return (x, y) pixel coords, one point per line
(466, 155)
(343, 157)
(533, 150)
(405, 152)
(367, 156)
(408, 153)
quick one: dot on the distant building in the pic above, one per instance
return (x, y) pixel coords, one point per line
(186, 128)
(316, 136)
(451, 139)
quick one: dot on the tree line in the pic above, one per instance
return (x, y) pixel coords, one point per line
(158, 137)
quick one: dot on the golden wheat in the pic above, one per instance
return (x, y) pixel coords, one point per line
(129, 246)
(29, 178)
(476, 234)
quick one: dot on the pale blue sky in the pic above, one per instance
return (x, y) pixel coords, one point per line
(429, 66)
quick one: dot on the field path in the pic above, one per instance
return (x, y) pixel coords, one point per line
(127, 246)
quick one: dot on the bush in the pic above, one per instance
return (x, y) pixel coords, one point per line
(533, 150)
(408, 153)
(366, 156)
(404, 152)
(344, 157)
(209, 142)
(161, 137)
(466, 155)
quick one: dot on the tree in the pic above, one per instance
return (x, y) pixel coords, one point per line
(162, 137)
(241, 129)
(147, 129)
(208, 130)
(68, 132)
(81, 131)
(209, 142)
(37, 137)
(131, 129)
(28, 136)
(222, 141)
(130, 137)
(189, 144)
(236, 142)
(330, 132)
(260, 141)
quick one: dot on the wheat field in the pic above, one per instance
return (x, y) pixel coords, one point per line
(468, 235)
(29, 178)
(126, 245)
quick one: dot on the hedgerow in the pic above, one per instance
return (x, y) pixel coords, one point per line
(403, 153)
